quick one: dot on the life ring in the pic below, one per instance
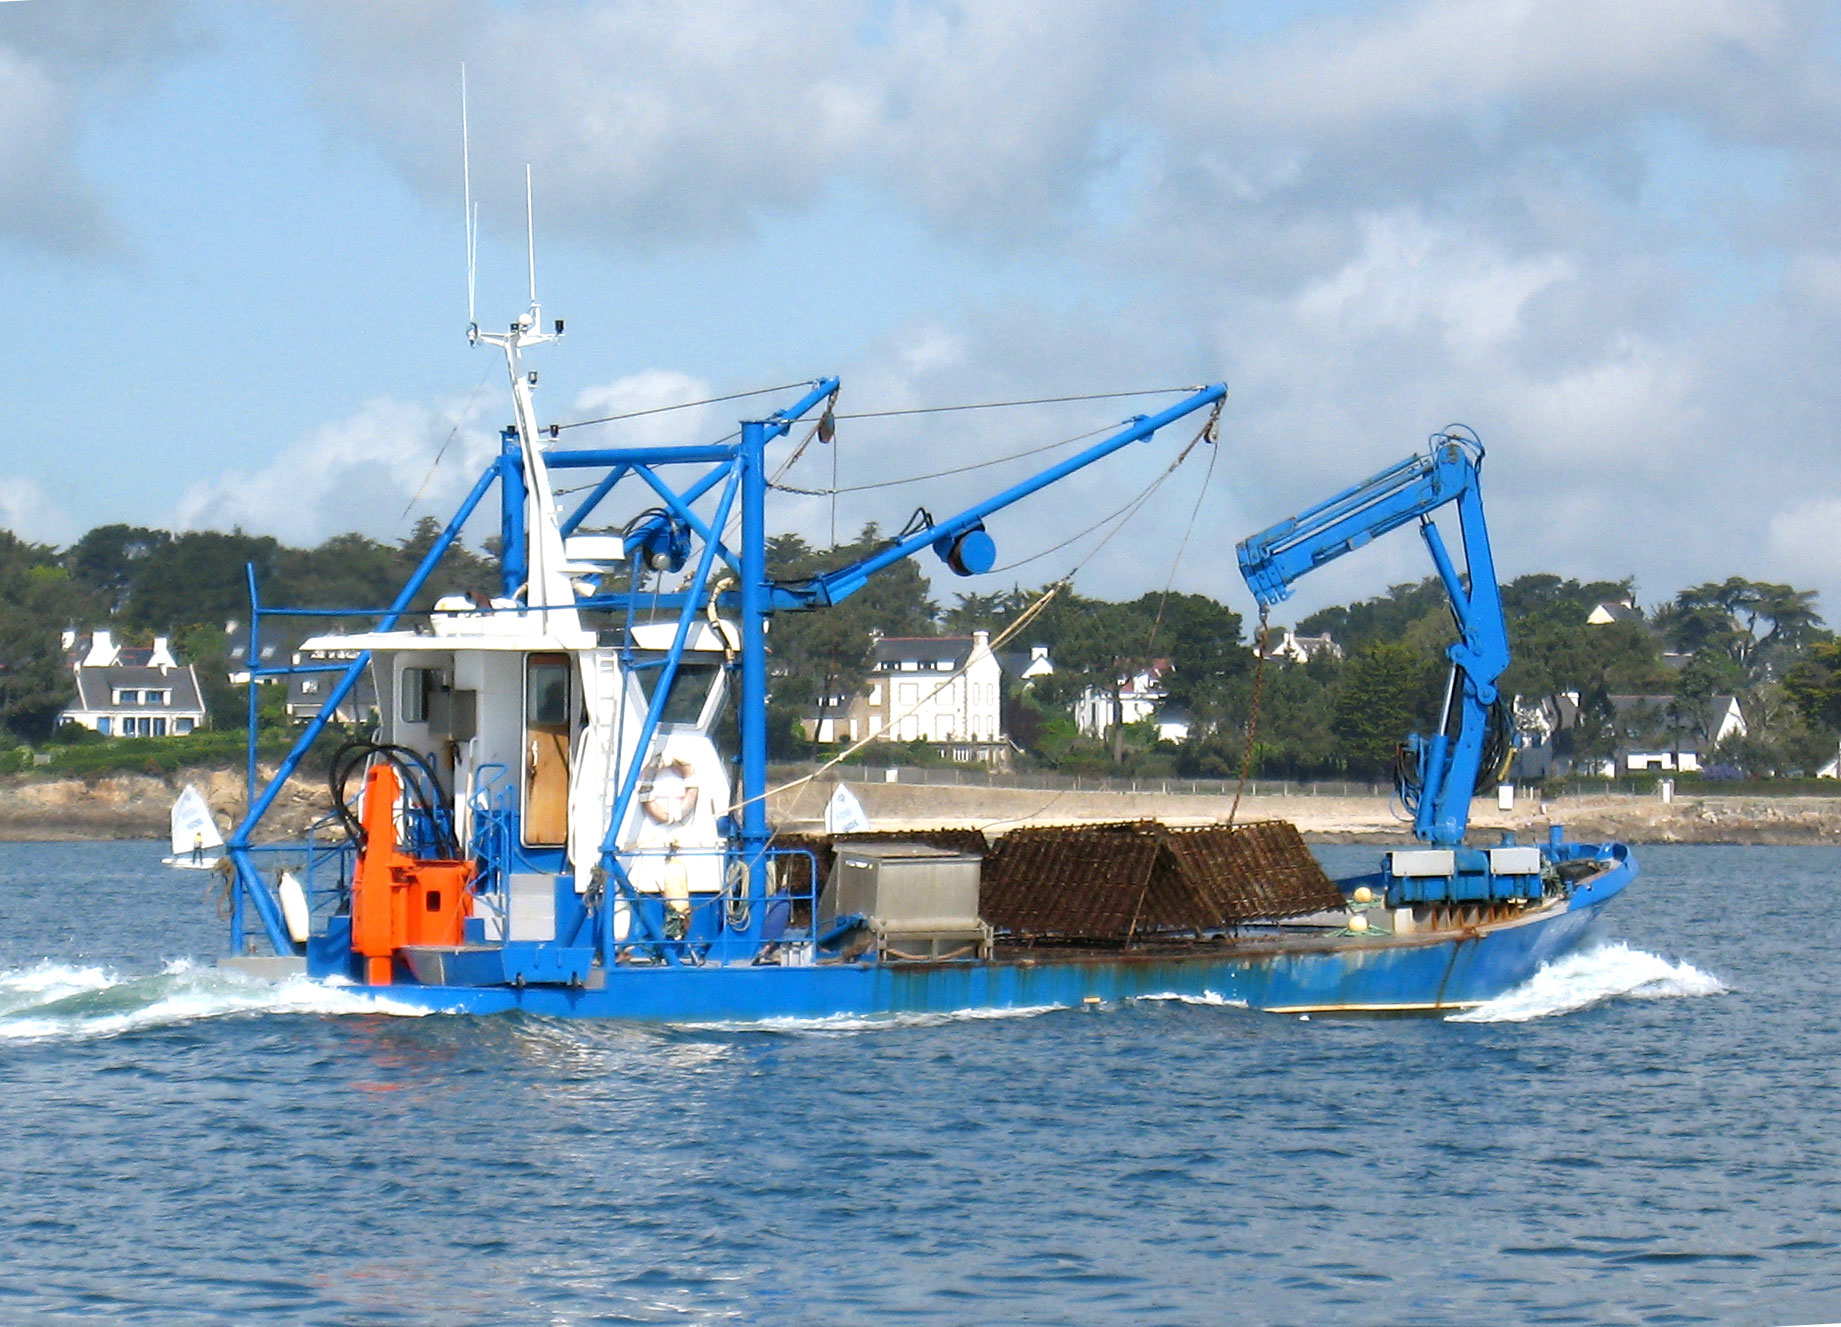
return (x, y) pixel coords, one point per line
(670, 791)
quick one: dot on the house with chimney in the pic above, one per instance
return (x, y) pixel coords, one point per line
(946, 691)
(1138, 698)
(131, 691)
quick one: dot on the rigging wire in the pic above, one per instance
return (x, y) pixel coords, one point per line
(554, 429)
(1022, 620)
(1176, 562)
(442, 451)
(583, 488)
(1122, 514)
(1259, 679)
(937, 474)
(1002, 638)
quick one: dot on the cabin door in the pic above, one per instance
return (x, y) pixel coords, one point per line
(547, 733)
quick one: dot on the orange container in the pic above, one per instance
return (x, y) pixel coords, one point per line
(399, 900)
(436, 903)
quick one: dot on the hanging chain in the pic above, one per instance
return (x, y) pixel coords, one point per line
(1259, 678)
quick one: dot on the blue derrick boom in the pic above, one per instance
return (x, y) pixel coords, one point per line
(1441, 772)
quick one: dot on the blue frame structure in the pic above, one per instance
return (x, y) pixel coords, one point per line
(735, 474)
(1273, 560)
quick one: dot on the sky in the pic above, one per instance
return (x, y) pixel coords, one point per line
(1607, 238)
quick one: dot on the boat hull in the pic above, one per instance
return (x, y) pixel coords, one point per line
(1433, 973)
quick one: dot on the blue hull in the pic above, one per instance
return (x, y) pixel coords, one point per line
(1380, 974)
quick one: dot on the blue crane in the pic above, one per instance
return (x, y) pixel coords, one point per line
(1474, 737)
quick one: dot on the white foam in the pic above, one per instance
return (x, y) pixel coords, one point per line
(86, 1003)
(43, 983)
(1209, 998)
(1592, 976)
(838, 1024)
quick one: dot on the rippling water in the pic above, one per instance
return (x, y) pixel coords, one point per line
(1644, 1133)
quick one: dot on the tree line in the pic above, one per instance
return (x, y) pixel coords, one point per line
(1764, 643)
(1331, 717)
(188, 586)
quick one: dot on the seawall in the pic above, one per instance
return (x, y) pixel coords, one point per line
(137, 806)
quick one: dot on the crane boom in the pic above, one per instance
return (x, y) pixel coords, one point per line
(1448, 762)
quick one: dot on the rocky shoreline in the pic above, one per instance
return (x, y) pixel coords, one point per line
(133, 806)
(136, 806)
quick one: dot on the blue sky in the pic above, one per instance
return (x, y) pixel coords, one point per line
(231, 257)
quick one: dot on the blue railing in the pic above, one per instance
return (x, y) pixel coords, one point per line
(704, 926)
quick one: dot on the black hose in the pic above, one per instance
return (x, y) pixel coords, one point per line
(423, 791)
(1492, 767)
(1498, 747)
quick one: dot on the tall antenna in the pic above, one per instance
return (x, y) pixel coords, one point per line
(472, 215)
(530, 232)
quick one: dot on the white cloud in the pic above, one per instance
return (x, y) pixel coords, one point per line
(650, 390)
(1804, 547)
(374, 472)
(1624, 414)
(58, 64)
(660, 124)
(1523, 216)
(28, 513)
(1410, 275)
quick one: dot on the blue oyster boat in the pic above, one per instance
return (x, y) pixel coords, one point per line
(557, 814)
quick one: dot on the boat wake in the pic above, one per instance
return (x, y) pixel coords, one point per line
(849, 1024)
(58, 1001)
(1207, 998)
(845, 1024)
(1578, 981)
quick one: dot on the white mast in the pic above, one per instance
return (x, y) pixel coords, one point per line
(530, 233)
(548, 589)
(472, 217)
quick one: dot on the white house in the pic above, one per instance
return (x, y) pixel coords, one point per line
(128, 691)
(1653, 733)
(1140, 697)
(1027, 668)
(947, 690)
(1302, 649)
(1613, 610)
(307, 692)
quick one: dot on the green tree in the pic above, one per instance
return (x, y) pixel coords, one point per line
(1386, 691)
(1813, 686)
(109, 561)
(1384, 618)
(824, 654)
(198, 577)
(1201, 639)
(1754, 623)
(38, 600)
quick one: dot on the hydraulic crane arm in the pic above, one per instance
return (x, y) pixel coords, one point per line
(1272, 561)
(960, 540)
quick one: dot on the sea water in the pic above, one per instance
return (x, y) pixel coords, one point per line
(1645, 1132)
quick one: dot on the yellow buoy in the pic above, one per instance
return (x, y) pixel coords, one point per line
(1363, 894)
(1358, 923)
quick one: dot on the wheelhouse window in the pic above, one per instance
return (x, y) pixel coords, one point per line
(546, 695)
(414, 703)
(689, 690)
